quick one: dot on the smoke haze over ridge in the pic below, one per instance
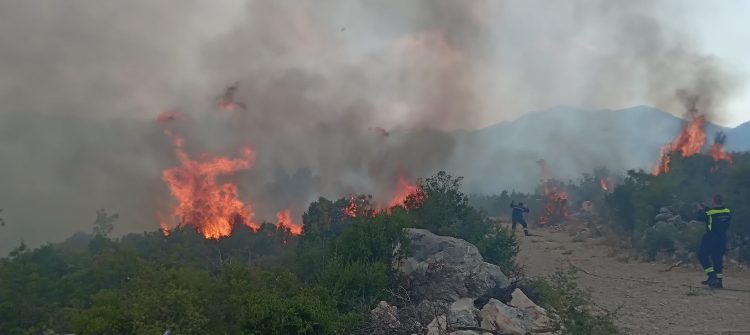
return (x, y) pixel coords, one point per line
(81, 83)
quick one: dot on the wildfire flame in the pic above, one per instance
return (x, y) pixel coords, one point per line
(211, 207)
(284, 221)
(404, 188)
(361, 205)
(607, 184)
(406, 192)
(688, 143)
(556, 201)
(717, 151)
(351, 208)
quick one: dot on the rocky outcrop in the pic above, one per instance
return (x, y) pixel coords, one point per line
(536, 313)
(452, 291)
(463, 313)
(668, 225)
(448, 268)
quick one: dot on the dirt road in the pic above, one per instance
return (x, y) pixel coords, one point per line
(652, 300)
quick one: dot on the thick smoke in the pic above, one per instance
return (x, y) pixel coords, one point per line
(339, 97)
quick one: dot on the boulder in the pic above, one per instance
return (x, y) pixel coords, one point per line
(448, 268)
(661, 225)
(665, 210)
(506, 319)
(438, 326)
(663, 217)
(463, 313)
(469, 332)
(696, 223)
(386, 315)
(538, 314)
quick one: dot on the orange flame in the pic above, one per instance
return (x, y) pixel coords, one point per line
(212, 208)
(556, 201)
(361, 205)
(164, 226)
(404, 188)
(284, 221)
(607, 184)
(351, 209)
(407, 194)
(717, 149)
(688, 143)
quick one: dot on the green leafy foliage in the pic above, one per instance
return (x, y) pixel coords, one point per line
(499, 246)
(147, 283)
(445, 210)
(633, 204)
(264, 282)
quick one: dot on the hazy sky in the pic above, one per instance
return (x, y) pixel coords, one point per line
(718, 28)
(723, 27)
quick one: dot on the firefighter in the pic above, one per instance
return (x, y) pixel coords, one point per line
(714, 241)
(517, 216)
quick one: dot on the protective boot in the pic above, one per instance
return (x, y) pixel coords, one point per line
(715, 283)
(711, 276)
(526, 232)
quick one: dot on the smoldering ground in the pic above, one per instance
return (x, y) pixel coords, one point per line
(81, 83)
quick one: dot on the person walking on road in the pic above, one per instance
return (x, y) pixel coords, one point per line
(517, 216)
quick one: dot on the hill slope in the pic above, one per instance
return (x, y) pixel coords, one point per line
(572, 141)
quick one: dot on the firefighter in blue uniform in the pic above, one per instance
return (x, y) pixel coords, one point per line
(714, 241)
(517, 216)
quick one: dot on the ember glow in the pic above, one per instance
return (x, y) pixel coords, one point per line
(607, 185)
(688, 143)
(555, 200)
(170, 116)
(227, 100)
(284, 221)
(212, 208)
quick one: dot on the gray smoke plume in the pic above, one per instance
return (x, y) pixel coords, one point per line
(337, 97)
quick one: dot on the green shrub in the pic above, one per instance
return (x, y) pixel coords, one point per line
(500, 247)
(578, 315)
(446, 211)
(633, 204)
(658, 238)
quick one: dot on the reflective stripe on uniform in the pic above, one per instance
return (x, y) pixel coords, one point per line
(717, 211)
(711, 212)
(719, 275)
(709, 269)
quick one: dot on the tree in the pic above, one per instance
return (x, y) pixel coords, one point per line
(103, 225)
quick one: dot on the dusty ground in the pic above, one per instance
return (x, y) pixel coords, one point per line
(652, 300)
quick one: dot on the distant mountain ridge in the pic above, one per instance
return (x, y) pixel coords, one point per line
(571, 141)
